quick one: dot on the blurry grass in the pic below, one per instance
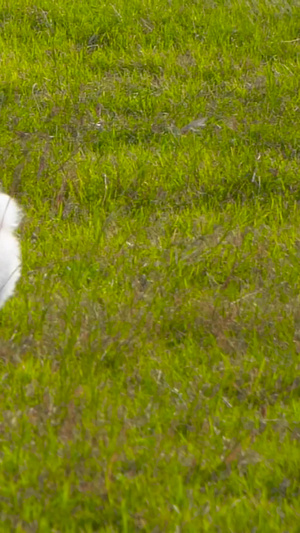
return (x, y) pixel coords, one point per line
(150, 359)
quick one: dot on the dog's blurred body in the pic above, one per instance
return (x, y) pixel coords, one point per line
(10, 253)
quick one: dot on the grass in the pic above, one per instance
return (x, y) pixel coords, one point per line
(150, 358)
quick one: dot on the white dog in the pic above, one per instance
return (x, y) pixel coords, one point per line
(10, 254)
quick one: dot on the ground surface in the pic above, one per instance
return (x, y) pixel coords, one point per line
(150, 358)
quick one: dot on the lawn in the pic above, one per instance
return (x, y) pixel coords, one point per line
(150, 356)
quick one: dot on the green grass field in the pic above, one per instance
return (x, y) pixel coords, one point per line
(150, 356)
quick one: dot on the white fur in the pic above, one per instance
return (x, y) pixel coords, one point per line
(10, 254)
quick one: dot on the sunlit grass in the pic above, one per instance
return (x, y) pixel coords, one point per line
(149, 360)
